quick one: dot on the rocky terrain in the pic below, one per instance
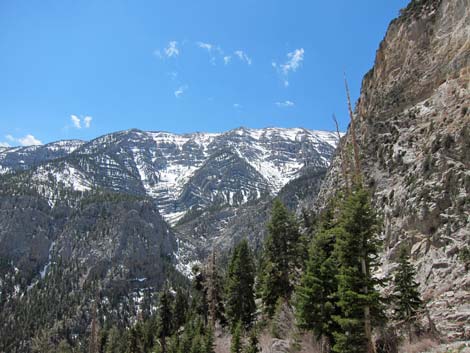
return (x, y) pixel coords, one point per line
(126, 212)
(413, 128)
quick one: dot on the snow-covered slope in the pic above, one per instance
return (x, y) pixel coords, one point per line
(179, 172)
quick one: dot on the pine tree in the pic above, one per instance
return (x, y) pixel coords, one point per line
(134, 341)
(253, 342)
(112, 341)
(199, 303)
(240, 299)
(406, 297)
(280, 256)
(316, 300)
(236, 343)
(180, 309)
(164, 320)
(356, 250)
(208, 342)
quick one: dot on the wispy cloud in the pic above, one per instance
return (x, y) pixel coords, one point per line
(170, 51)
(285, 104)
(77, 122)
(213, 50)
(179, 92)
(237, 106)
(27, 140)
(87, 121)
(227, 59)
(242, 56)
(294, 61)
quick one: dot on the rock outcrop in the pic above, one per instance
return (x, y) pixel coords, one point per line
(412, 123)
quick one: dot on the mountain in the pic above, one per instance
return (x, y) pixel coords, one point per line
(123, 214)
(179, 172)
(412, 123)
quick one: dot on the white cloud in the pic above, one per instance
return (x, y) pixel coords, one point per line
(227, 59)
(87, 121)
(294, 61)
(76, 121)
(170, 51)
(206, 46)
(213, 50)
(285, 104)
(29, 140)
(242, 56)
(237, 106)
(179, 92)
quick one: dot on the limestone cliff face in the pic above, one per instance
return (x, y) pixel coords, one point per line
(413, 129)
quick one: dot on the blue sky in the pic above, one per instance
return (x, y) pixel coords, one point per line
(80, 69)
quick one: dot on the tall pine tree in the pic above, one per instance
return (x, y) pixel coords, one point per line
(316, 297)
(406, 298)
(164, 319)
(356, 250)
(280, 257)
(240, 299)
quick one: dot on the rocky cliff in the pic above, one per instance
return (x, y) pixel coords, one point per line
(412, 123)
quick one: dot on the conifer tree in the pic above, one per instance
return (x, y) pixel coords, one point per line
(208, 342)
(280, 256)
(356, 250)
(240, 299)
(236, 343)
(316, 300)
(164, 319)
(112, 341)
(253, 342)
(180, 309)
(406, 297)
(134, 341)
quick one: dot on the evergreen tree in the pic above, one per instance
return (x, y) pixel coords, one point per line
(406, 297)
(316, 300)
(236, 343)
(281, 257)
(164, 321)
(134, 341)
(199, 302)
(208, 341)
(240, 299)
(253, 342)
(356, 250)
(180, 309)
(112, 341)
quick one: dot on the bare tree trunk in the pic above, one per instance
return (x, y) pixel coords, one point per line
(341, 156)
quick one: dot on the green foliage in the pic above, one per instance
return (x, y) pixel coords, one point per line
(356, 250)
(316, 297)
(240, 300)
(236, 343)
(165, 315)
(253, 343)
(280, 257)
(406, 298)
